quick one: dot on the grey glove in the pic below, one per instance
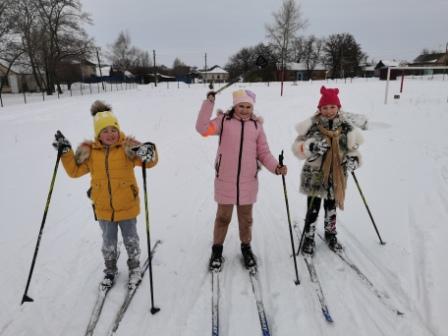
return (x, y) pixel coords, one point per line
(145, 151)
(61, 143)
(351, 163)
(319, 147)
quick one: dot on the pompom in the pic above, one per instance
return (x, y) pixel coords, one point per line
(99, 106)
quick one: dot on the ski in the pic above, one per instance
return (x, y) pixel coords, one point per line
(99, 303)
(97, 308)
(130, 295)
(317, 287)
(315, 280)
(259, 300)
(384, 299)
(215, 302)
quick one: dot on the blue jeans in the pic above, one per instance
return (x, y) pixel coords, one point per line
(131, 242)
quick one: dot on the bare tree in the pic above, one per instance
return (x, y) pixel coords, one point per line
(126, 57)
(122, 54)
(51, 31)
(282, 33)
(61, 20)
(10, 48)
(308, 51)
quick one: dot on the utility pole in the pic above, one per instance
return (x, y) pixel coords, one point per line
(205, 69)
(446, 56)
(99, 65)
(155, 69)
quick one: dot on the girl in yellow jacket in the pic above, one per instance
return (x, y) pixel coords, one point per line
(110, 159)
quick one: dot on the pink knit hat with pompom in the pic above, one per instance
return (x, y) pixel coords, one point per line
(243, 96)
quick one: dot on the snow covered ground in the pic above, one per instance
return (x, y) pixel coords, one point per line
(404, 179)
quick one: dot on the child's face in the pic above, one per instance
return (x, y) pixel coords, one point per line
(329, 111)
(109, 135)
(244, 110)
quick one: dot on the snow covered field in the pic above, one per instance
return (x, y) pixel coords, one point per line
(404, 179)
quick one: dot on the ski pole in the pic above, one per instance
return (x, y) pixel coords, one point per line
(154, 309)
(260, 63)
(25, 297)
(367, 207)
(280, 160)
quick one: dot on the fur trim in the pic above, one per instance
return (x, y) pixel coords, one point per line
(83, 151)
(354, 139)
(260, 119)
(129, 143)
(303, 126)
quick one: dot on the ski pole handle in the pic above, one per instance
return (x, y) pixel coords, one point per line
(280, 158)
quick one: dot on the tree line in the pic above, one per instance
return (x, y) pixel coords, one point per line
(339, 53)
(40, 35)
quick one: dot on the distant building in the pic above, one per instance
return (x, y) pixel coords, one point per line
(367, 70)
(382, 67)
(19, 79)
(434, 59)
(299, 72)
(215, 74)
(71, 70)
(430, 60)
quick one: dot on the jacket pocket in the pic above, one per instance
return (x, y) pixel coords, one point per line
(218, 165)
(125, 195)
(99, 195)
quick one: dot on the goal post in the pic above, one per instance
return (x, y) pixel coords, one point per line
(408, 68)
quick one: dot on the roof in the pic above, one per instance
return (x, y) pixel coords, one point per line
(429, 58)
(17, 68)
(214, 70)
(303, 67)
(387, 64)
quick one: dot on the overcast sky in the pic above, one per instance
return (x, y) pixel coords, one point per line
(187, 29)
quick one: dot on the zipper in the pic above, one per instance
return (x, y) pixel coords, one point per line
(109, 187)
(239, 165)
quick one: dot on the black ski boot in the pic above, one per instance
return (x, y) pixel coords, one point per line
(248, 256)
(332, 241)
(308, 245)
(108, 280)
(216, 258)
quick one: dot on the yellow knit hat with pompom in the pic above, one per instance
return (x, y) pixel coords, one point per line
(102, 117)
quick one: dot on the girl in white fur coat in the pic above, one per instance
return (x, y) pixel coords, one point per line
(329, 145)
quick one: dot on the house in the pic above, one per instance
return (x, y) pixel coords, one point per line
(300, 71)
(149, 78)
(19, 79)
(367, 70)
(215, 74)
(382, 67)
(72, 70)
(430, 60)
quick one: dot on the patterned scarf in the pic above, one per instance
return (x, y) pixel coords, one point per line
(332, 165)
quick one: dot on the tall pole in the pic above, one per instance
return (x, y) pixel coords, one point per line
(155, 71)
(99, 66)
(205, 69)
(282, 72)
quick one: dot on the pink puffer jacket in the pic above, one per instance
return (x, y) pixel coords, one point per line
(242, 145)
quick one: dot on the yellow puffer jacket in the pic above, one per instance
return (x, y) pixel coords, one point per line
(114, 189)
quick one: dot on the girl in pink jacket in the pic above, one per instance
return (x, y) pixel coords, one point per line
(242, 147)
